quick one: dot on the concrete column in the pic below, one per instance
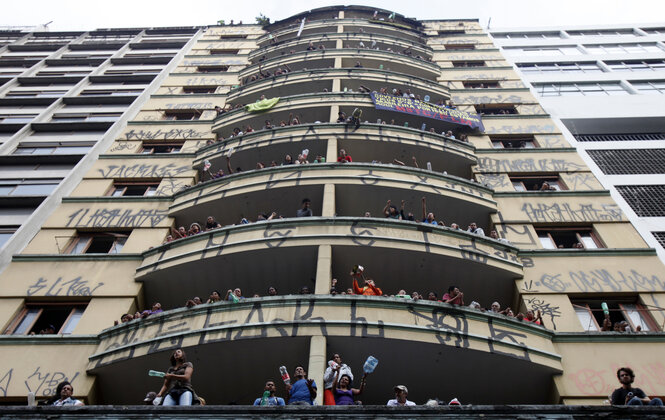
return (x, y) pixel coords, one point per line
(331, 153)
(317, 364)
(323, 271)
(328, 209)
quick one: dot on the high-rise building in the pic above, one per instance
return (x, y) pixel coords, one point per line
(606, 84)
(339, 137)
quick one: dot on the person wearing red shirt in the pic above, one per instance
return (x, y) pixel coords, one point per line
(343, 157)
(454, 296)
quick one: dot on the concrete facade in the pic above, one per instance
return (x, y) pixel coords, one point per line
(105, 249)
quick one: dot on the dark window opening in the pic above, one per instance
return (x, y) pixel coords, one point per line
(500, 109)
(460, 47)
(628, 311)
(200, 89)
(212, 69)
(468, 63)
(569, 238)
(223, 52)
(46, 319)
(146, 189)
(537, 183)
(98, 243)
(481, 85)
(189, 114)
(513, 142)
(150, 148)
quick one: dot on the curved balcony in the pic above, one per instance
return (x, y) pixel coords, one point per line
(370, 143)
(330, 25)
(316, 108)
(322, 80)
(349, 57)
(349, 40)
(396, 254)
(258, 335)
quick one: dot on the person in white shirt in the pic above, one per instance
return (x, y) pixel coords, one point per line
(401, 392)
(329, 377)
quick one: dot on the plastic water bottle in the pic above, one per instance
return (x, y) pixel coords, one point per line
(423, 127)
(370, 364)
(156, 373)
(426, 98)
(264, 398)
(31, 399)
(285, 375)
(332, 364)
(606, 310)
(429, 166)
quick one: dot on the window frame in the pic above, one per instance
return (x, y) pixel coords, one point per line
(28, 306)
(151, 188)
(580, 233)
(89, 237)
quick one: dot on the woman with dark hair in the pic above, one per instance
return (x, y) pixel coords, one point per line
(177, 388)
(63, 396)
(214, 297)
(342, 388)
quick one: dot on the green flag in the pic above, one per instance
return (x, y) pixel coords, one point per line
(263, 105)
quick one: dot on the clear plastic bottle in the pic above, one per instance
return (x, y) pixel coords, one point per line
(285, 375)
(370, 364)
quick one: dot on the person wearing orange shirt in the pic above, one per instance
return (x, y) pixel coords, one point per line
(369, 289)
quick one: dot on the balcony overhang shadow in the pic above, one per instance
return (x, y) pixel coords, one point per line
(359, 187)
(369, 142)
(314, 107)
(321, 59)
(320, 80)
(283, 253)
(246, 342)
(329, 41)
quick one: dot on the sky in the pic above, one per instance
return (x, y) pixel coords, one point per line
(82, 15)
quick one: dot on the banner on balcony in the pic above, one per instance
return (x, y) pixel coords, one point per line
(424, 109)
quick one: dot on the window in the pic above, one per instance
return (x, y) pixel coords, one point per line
(629, 161)
(636, 65)
(212, 69)
(460, 47)
(223, 52)
(620, 137)
(623, 48)
(518, 142)
(568, 238)
(52, 150)
(199, 89)
(16, 188)
(35, 93)
(6, 233)
(604, 32)
(591, 67)
(98, 243)
(451, 32)
(111, 92)
(46, 318)
(655, 87)
(182, 114)
(232, 36)
(86, 117)
(544, 51)
(654, 31)
(527, 35)
(150, 148)
(146, 189)
(481, 85)
(16, 118)
(496, 109)
(580, 89)
(591, 315)
(645, 200)
(537, 183)
(468, 63)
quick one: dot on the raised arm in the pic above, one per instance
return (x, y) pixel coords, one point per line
(424, 209)
(385, 209)
(360, 390)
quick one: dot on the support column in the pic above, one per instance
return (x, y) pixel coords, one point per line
(331, 153)
(317, 364)
(328, 207)
(323, 270)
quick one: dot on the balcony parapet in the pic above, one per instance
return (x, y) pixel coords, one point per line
(329, 26)
(399, 43)
(347, 316)
(316, 80)
(368, 58)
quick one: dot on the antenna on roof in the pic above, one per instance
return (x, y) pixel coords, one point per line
(488, 22)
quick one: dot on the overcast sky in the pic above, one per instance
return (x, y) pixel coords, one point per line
(93, 14)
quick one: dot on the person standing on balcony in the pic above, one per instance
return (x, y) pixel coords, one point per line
(271, 399)
(369, 289)
(454, 296)
(401, 392)
(64, 390)
(335, 364)
(473, 228)
(305, 210)
(303, 390)
(428, 217)
(344, 157)
(177, 388)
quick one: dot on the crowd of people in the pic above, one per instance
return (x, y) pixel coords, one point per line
(177, 389)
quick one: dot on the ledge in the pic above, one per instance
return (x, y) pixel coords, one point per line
(609, 337)
(600, 252)
(527, 150)
(565, 193)
(81, 257)
(49, 339)
(146, 156)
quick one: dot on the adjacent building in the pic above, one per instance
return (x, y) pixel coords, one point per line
(435, 119)
(606, 84)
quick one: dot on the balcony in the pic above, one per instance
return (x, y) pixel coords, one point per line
(348, 58)
(398, 254)
(329, 25)
(317, 108)
(322, 80)
(349, 40)
(369, 143)
(258, 335)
